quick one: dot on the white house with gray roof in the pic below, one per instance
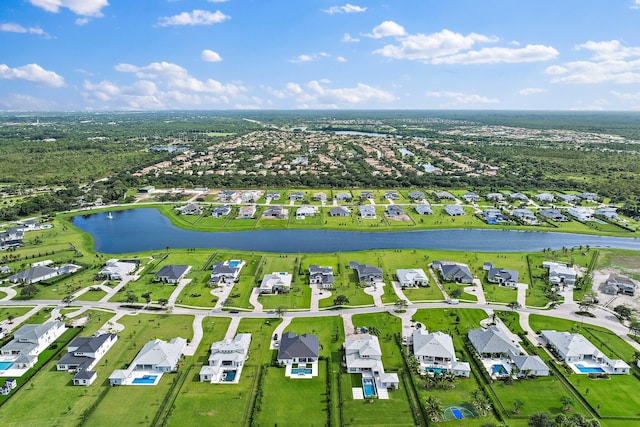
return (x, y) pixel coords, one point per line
(453, 272)
(424, 209)
(436, 354)
(545, 197)
(363, 355)
(276, 282)
(339, 211)
(560, 274)
(83, 353)
(454, 210)
(412, 277)
(501, 276)
(156, 357)
(299, 354)
(368, 212)
(220, 211)
(226, 360)
(225, 272)
(116, 270)
(172, 274)
(321, 276)
(28, 342)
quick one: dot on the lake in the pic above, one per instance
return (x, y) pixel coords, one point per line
(144, 229)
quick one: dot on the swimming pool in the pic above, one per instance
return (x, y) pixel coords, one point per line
(369, 387)
(588, 370)
(436, 370)
(301, 371)
(146, 379)
(5, 365)
(499, 369)
(457, 413)
(229, 376)
(234, 263)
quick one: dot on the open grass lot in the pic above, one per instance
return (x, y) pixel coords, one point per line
(392, 412)
(297, 298)
(429, 293)
(626, 261)
(96, 295)
(289, 402)
(14, 312)
(388, 325)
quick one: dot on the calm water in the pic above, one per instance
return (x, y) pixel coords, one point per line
(142, 229)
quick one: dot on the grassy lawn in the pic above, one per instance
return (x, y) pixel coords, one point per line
(499, 293)
(613, 397)
(299, 297)
(375, 412)
(96, 295)
(286, 401)
(14, 312)
(388, 325)
(429, 293)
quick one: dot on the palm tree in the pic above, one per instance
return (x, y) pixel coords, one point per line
(517, 405)
(514, 305)
(401, 304)
(434, 407)
(567, 402)
(280, 311)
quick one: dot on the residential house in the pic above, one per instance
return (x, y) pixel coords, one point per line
(368, 212)
(296, 196)
(305, 211)
(581, 213)
(299, 354)
(276, 282)
(300, 161)
(570, 199)
(30, 225)
(590, 197)
(424, 209)
(320, 197)
(9, 384)
(429, 168)
(609, 213)
(339, 211)
(471, 197)
(83, 353)
(362, 355)
(560, 274)
(366, 195)
(12, 234)
(501, 276)
(29, 341)
(225, 272)
(453, 271)
(246, 212)
(392, 195)
(5, 269)
(395, 211)
(226, 360)
(116, 270)
(345, 197)
(412, 277)
(190, 209)
(367, 273)
(445, 195)
(577, 351)
(171, 274)
(494, 216)
(545, 197)
(227, 196)
(273, 195)
(220, 211)
(156, 357)
(250, 196)
(454, 210)
(277, 212)
(518, 196)
(321, 276)
(494, 197)
(617, 284)
(416, 196)
(553, 214)
(526, 216)
(35, 274)
(436, 354)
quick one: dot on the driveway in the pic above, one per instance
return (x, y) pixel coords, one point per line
(278, 331)
(376, 291)
(253, 300)
(316, 295)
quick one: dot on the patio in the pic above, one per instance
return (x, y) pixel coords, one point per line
(301, 370)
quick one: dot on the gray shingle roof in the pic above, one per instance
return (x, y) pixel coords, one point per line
(293, 345)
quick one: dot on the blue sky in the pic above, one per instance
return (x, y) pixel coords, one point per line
(319, 54)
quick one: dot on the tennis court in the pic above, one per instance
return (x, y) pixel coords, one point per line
(459, 411)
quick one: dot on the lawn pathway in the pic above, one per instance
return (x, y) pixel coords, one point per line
(253, 300)
(437, 282)
(275, 344)
(176, 292)
(531, 334)
(10, 293)
(233, 327)
(191, 348)
(397, 288)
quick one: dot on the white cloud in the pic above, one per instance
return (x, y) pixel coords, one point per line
(460, 98)
(348, 39)
(309, 57)
(347, 8)
(17, 28)
(387, 29)
(32, 73)
(318, 94)
(26, 102)
(635, 5)
(82, 21)
(196, 17)
(210, 56)
(635, 96)
(610, 62)
(341, 59)
(494, 55)
(79, 7)
(530, 91)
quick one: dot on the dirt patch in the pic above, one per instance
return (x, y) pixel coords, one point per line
(399, 218)
(76, 323)
(627, 263)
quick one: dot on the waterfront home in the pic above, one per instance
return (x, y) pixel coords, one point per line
(339, 211)
(155, 358)
(115, 269)
(560, 274)
(277, 212)
(582, 356)
(424, 209)
(83, 353)
(226, 360)
(581, 213)
(454, 210)
(617, 284)
(453, 272)
(608, 212)
(299, 354)
(305, 211)
(436, 354)
(225, 272)
(394, 211)
(246, 212)
(367, 274)
(220, 211)
(171, 274)
(412, 277)
(501, 276)
(362, 355)
(40, 272)
(368, 212)
(553, 214)
(494, 216)
(321, 276)
(190, 209)
(526, 216)
(276, 282)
